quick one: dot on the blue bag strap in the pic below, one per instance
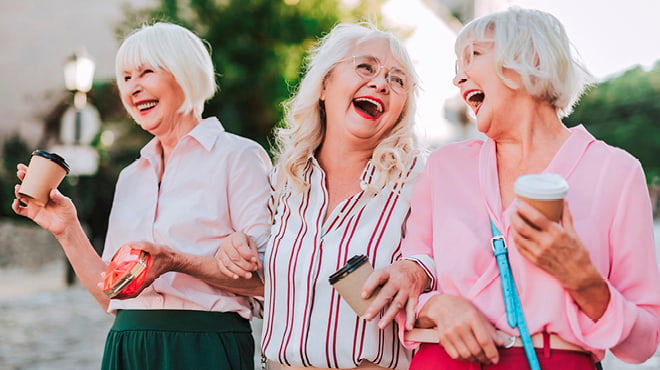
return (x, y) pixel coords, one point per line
(514, 313)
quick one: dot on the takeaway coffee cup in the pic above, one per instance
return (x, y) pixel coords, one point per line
(349, 279)
(543, 191)
(45, 172)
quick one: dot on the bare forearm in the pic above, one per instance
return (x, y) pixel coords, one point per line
(85, 261)
(206, 268)
(591, 294)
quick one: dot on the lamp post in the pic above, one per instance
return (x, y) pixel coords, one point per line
(78, 77)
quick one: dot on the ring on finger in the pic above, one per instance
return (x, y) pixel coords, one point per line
(511, 343)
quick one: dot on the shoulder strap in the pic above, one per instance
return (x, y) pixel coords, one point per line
(514, 313)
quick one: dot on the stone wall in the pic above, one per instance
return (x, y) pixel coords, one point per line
(26, 245)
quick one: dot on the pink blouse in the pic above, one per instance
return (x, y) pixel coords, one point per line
(214, 183)
(448, 231)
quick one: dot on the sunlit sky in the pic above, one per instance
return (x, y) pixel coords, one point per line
(610, 35)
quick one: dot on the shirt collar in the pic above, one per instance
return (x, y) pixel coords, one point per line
(205, 133)
(368, 176)
(563, 163)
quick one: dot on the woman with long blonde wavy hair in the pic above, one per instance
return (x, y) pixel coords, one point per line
(346, 161)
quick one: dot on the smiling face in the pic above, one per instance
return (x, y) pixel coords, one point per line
(482, 88)
(152, 97)
(361, 105)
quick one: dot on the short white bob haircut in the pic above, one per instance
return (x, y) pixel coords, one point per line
(534, 44)
(304, 121)
(166, 46)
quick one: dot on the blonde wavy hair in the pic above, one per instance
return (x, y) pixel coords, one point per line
(304, 122)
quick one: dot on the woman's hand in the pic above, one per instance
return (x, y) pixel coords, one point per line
(206, 268)
(557, 249)
(163, 259)
(464, 331)
(401, 284)
(55, 216)
(237, 256)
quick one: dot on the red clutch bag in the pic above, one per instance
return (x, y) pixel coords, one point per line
(126, 272)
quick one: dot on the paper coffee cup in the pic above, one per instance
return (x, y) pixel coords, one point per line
(45, 173)
(348, 281)
(543, 191)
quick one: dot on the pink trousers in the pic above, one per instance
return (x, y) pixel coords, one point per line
(434, 357)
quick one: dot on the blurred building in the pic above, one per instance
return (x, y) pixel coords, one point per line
(36, 38)
(430, 27)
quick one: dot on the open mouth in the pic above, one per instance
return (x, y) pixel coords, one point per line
(146, 105)
(368, 107)
(474, 98)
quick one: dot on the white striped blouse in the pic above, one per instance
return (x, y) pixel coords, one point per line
(305, 321)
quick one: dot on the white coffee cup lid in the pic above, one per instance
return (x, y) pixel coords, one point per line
(541, 186)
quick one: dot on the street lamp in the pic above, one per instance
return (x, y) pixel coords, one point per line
(83, 159)
(78, 77)
(81, 121)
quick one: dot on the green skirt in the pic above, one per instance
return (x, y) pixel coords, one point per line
(178, 339)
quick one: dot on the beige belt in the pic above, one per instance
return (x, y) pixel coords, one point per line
(364, 365)
(431, 336)
(556, 342)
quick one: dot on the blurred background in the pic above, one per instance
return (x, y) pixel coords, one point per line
(58, 93)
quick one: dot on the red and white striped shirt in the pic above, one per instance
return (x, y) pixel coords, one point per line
(305, 321)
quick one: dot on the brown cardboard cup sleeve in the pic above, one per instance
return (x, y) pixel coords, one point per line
(348, 281)
(45, 173)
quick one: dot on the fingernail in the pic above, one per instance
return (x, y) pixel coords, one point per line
(367, 316)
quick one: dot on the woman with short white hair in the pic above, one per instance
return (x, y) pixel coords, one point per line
(192, 185)
(568, 290)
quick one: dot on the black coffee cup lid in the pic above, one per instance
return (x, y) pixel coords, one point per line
(351, 265)
(53, 157)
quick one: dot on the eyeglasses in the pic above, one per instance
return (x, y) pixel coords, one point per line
(368, 67)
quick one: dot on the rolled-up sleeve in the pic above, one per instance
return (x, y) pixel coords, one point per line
(630, 326)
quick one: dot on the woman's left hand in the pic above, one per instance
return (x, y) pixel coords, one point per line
(557, 249)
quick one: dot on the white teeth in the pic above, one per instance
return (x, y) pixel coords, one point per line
(379, 107)
(146, 105)
(472, 93)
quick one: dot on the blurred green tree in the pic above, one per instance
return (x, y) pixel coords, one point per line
(624, 111)
(14, 150)
(257, 48)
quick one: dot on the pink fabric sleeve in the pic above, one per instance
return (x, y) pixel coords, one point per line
(418, 241)
(401, 319)
(249, 192)
(631, 323)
